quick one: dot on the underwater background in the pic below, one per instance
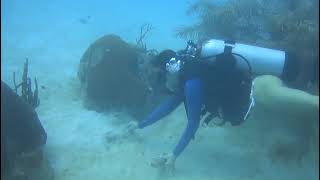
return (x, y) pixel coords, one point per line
(86, 144)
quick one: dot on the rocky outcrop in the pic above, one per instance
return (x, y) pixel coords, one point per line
(22, 135)
(112, 78)
(289, 116)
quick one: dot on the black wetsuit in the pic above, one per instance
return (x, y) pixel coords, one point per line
(227, 88)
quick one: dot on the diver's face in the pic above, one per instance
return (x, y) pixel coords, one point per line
(158, 73)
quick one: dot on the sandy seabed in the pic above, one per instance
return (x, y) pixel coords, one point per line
(85, 144)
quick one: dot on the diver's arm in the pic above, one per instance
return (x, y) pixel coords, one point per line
(194, 99)
(161, 111)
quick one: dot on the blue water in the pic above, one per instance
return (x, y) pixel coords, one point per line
(52, 32)
(26, 23)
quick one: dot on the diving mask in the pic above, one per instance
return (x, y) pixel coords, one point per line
(174, 65)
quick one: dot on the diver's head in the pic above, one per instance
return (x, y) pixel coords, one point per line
(168, 64)
(162, 59)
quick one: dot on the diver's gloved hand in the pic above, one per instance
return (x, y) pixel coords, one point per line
(132, 127)
(169, 167)
(213, 120)
(217, 121)
(166, 162)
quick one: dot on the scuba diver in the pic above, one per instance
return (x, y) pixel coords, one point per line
(214, 80)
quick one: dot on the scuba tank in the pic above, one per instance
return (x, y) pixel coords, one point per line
(256, 60)
(259, 60)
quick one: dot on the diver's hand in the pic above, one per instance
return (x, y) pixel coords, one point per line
(132, 127)
(217, 121)
(205, 124)
(169, 167)
(209, 124)
(165, 163)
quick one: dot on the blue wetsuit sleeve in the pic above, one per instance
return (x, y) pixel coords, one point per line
(161, 111)
(193, 101)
